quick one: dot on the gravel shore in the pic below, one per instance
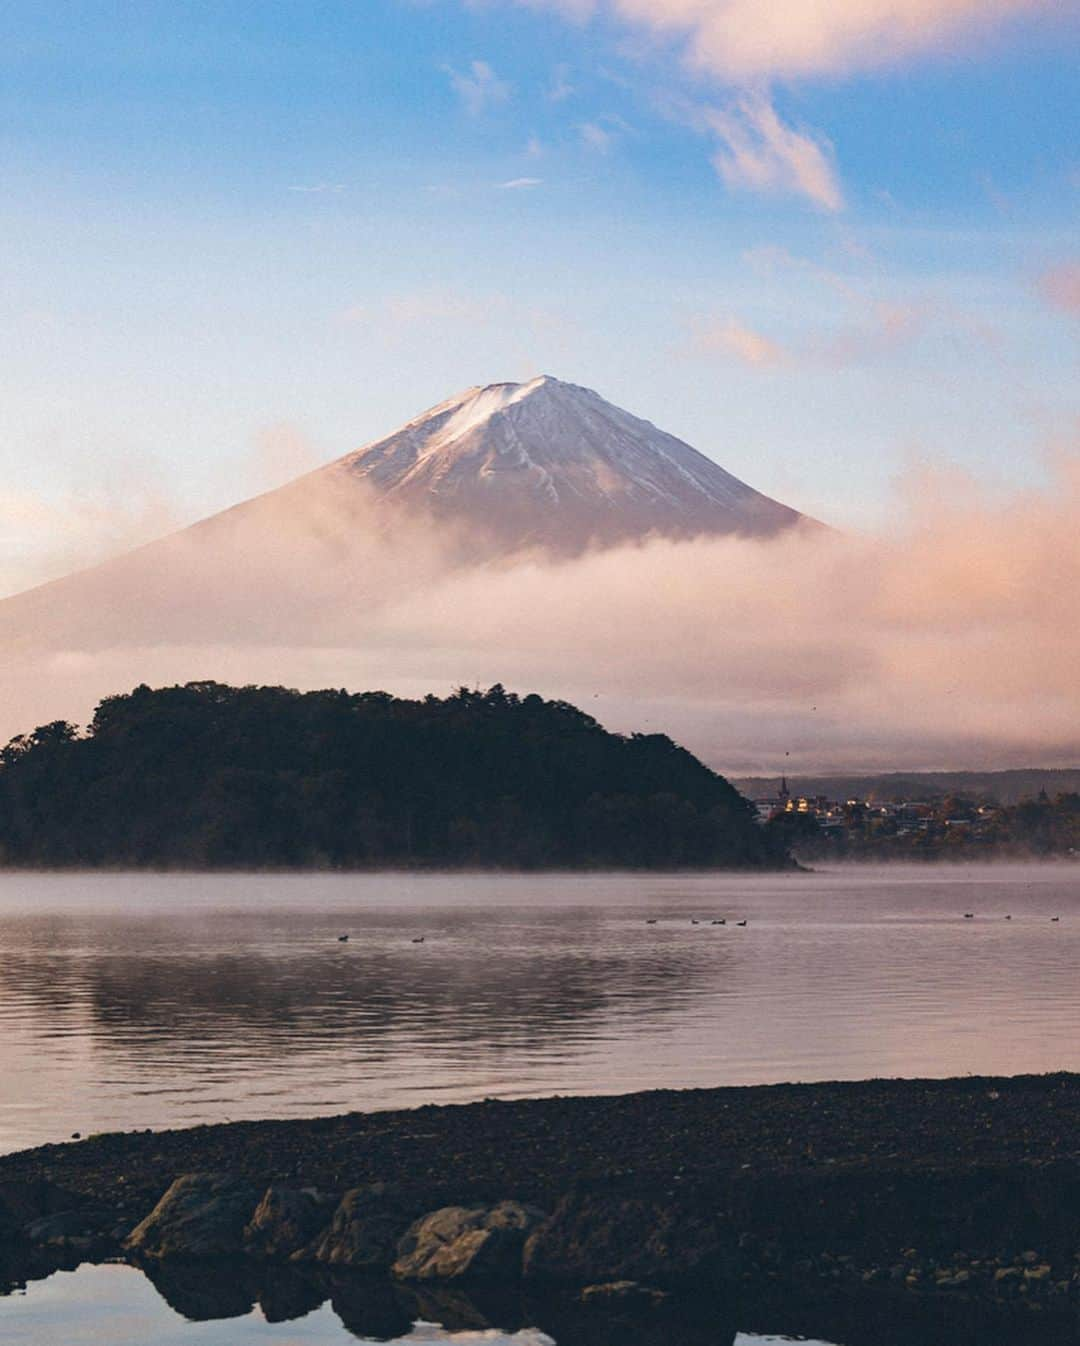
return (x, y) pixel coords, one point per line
(960, 1188)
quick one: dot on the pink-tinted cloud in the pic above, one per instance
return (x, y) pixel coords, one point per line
(1060, 286)
(45, 536)
(758, 151)
(729, 337)
(876, 329)
(948, 640)
(744, 40)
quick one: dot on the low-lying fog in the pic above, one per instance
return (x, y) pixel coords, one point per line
(951, 639)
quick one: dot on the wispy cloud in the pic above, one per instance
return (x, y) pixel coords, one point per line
(596, 137)
(745, 40)
(317, 188)
(560, 88)
(520, 184)
(401, 311)
(728, 336)
(444, 312)
(759, 152)
(870, 322)
(1060, 286)
(479, 88)
(45, 536)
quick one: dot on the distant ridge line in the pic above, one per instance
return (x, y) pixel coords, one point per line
(1007, 787)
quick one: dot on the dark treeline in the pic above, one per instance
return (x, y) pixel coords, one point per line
(207, 775)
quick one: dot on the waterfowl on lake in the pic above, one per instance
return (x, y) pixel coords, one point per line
(694, 921)
(721, 921)
(740, 922)
(969, 915)
(343, 939)
(1055, 918)
(419, 939)
(651, 920)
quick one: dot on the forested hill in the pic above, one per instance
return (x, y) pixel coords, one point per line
(207, 775)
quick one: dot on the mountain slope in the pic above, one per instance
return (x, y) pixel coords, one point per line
(331, 561)
(551, 464)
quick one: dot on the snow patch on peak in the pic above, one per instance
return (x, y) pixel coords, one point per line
(553, 463)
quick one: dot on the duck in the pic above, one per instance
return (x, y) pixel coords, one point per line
(419, 939)
(651, 920)
(1055, 918)
(969, 915)
(343, 939)
(721, 921)
(740, 922)
(694, 921)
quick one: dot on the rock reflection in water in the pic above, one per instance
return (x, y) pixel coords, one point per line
(373, 1307)
(108, 1303)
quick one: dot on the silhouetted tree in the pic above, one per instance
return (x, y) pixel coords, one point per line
(207, 775)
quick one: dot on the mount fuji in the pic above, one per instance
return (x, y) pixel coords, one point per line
(552, 465)
(537, 470)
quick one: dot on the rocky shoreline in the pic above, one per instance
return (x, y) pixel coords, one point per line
(921, 1193)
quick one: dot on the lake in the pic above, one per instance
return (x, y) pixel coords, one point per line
(165, 1000)
(120, 1306)
(141, 1000)
(192, 1305)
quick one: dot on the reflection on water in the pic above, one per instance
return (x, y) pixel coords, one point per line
(155, 1000)
(198, 1306)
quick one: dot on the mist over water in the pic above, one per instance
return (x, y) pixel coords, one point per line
(142, 1000)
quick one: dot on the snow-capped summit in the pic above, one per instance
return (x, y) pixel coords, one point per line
(551, 464)
(507, 470)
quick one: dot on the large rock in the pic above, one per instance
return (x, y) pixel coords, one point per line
(462, 1241)
(596, 1237)
(286, 1220)
(363, 1231)
(201, 1215)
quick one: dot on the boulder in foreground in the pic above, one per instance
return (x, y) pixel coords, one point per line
(459, 1241)
(285, 1220)
(201, 1215)
(363, 1231)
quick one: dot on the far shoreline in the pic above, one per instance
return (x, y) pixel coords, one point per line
(816, 867)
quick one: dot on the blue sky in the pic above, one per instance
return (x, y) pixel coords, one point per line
(240, 238)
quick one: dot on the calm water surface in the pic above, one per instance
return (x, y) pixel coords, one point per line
(119, 1306)
(139, 1000)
